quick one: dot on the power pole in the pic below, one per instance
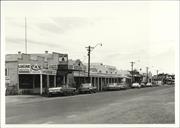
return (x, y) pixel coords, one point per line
(147, 73)
(89, 49)
(89, 56)
(157, 75)
(132, 72)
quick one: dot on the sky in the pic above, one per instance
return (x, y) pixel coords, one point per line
(145, 32)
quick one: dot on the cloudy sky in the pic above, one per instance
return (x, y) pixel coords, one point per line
(143, 32)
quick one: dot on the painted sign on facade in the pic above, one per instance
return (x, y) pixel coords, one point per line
(63, 59)
(49, 72)
(29, 69)
(54, 67)
(35, 69)
(24, 68)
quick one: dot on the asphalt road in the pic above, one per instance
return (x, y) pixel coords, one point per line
(134, 106)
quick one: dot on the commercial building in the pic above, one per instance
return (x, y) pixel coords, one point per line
(101, 75)
(32, 73)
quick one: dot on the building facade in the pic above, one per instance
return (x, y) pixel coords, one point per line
(33, 73)
(101, 75)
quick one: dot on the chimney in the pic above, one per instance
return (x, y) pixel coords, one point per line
(46, 52)
(19, 54)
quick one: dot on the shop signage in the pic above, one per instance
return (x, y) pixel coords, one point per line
(63, 59)
(49, 72)
(23, 71)
(35, 69)
(24, 68)
(29, 69)
(54, 67)
(45, 66)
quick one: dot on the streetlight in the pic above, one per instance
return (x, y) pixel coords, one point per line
(90, 49)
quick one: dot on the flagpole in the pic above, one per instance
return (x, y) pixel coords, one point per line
(25, 36)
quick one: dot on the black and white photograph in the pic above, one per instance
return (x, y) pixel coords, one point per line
(90, 64)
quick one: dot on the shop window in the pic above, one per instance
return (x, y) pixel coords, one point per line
(51, 81)
(25, 81)
(37, 81)
(44, 80)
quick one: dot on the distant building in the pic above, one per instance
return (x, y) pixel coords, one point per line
(163, 78)
(106, 74)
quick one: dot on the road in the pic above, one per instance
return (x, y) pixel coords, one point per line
(133, 106)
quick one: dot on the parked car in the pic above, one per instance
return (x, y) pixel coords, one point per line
(63, 90)
(143, 85)
(53, 91)
(112, 87)
(136, 85)
(68, 91)
(87, 88)
(154, 84)
(122, 86)
(149, 85)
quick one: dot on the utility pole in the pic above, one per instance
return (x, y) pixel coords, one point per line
(25, 36)
(132, 72)
(147, 73)
(89, 48)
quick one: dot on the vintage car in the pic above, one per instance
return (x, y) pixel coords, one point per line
(60, 91)
(68, 91)
(122, 86)
(143, 85)
(112, 87)
(53, 91)
(136, 85)
(87, 88)
(149, 85)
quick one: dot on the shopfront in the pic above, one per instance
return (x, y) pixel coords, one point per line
(33, 78)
